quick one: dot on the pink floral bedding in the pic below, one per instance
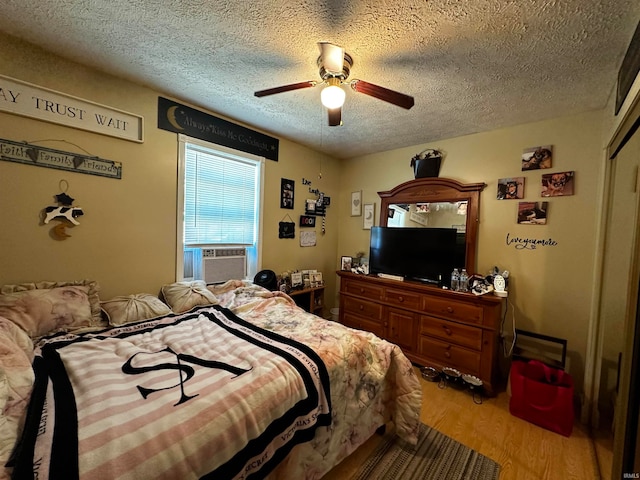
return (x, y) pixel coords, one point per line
(16, 379)
(372, 382)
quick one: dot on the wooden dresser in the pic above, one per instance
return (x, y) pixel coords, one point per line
(434, 327)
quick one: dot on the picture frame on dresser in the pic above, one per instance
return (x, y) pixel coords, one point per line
(296, 280)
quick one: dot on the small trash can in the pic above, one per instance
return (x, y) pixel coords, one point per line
(335, 314)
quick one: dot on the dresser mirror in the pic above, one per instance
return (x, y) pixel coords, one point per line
(436, 203)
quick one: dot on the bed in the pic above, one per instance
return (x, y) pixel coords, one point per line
(229, 381)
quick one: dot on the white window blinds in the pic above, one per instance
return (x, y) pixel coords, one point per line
(220, 198)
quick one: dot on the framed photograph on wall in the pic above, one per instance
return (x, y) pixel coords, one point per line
(536, 158)
(356, 203)
(369, 216)
(557, 184)
(510, 188)
(533, 213)
(286, 193)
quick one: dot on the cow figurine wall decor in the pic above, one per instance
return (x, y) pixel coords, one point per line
(62, 211)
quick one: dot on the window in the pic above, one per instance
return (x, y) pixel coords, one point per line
(219, 205)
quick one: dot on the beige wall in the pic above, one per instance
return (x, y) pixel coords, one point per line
(126, 239)
(550, 287)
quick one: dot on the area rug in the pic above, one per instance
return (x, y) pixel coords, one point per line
(436, 457)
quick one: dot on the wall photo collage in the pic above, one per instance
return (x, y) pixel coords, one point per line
(555, 184)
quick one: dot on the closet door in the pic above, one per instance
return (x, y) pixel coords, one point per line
(617, 270)
(620, 304)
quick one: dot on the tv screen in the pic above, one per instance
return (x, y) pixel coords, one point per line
(423, 254)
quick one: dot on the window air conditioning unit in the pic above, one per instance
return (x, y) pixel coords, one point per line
(192, 261)
(224, 263)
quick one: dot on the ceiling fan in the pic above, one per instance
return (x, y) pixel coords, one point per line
(335, 65)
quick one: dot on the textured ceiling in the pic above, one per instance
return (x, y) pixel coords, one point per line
(471, 65)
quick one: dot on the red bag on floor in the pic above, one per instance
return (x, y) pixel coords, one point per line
(542, 395)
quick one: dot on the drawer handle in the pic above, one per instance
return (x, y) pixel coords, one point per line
(401, 299)
(447, 354)
(450, 309)
(361, 307)
(447, 330)
(362, 290)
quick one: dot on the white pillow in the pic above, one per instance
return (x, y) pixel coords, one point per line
(183, 296)
(133, 308)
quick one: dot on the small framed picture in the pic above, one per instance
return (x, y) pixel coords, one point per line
(296, 279)
(307, 221)
(533, 213)
(287, 188)
(536, 158)
(345, 263)
(310, 206)
(316, 279)
(369, 216)
(557, 184)
(510, 188)
(356, 203)
(363, 267)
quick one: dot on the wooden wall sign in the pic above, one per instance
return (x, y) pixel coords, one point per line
(26, 99)
(23, 152)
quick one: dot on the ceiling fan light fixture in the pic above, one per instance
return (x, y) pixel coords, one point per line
(332, 96)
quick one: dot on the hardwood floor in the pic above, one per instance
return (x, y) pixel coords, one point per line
(523, 450)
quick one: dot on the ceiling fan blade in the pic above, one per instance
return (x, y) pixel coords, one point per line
(332, 57)
(285, 88)
(381, 93)
(335, 117)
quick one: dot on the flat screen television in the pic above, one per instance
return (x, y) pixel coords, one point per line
(427, 255)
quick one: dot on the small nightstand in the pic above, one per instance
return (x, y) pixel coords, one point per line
(311, 299)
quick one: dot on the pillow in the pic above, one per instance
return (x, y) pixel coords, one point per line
(42, 311)
(94, 299)
(226, 287)
(132, 308)
(227, 292)
(183, 296)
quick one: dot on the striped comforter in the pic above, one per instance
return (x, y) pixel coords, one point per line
(203, 394)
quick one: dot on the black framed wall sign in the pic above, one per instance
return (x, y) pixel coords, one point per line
(307, 221)
(628, 70)
(178, 118)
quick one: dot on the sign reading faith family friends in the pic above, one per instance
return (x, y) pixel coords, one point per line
(26, 99)
(178, 118)
(23, 152)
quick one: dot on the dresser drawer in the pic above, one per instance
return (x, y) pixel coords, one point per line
(363, 308)
(454, 310)
(354, 321)
(402, 298)
(449, 355)
(362, 289)
(464, 335)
